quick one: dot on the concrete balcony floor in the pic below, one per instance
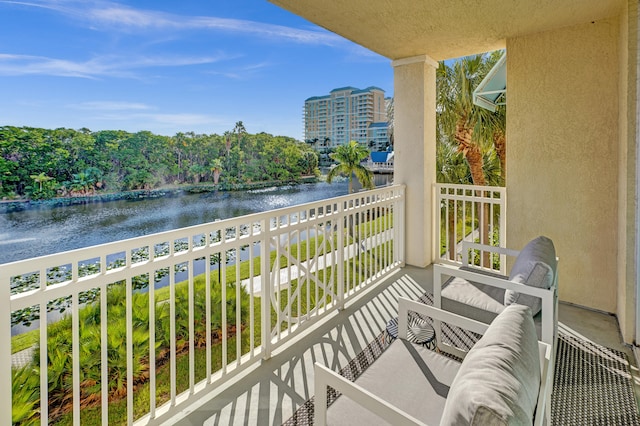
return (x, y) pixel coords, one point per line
(271, 391)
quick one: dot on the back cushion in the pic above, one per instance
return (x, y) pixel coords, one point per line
(499, 379)
(535, 266)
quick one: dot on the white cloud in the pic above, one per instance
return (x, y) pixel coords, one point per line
(112, 15)
(181, 119)
(100, 66)
(160, 118)
(163, 123)
(111, 106)
(242, 73)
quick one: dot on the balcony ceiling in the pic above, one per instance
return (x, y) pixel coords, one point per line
(445, 29)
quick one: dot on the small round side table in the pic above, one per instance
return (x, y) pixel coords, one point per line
(419, 332)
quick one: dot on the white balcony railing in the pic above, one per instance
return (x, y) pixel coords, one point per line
(202, 303)
(470, 213)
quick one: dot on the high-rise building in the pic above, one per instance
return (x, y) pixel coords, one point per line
(346, 114)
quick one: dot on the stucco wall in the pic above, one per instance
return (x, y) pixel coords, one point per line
(562, 153)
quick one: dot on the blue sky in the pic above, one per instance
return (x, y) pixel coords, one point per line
(170, 66)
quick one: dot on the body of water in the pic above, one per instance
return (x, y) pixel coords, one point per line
(39, 232)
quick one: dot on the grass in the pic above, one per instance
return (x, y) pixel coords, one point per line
(142, 395)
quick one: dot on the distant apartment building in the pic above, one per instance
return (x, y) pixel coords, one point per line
(347, 114)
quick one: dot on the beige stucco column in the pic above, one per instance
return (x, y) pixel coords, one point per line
(415, 151)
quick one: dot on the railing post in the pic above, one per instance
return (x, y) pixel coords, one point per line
(437, 217)
(5, 351)
(340, 248)
(265, 290)
(503, 229)
(399, 226)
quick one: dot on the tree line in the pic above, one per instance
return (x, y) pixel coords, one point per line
(38, 163)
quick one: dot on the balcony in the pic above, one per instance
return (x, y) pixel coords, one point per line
(205, 303)
(234, 337)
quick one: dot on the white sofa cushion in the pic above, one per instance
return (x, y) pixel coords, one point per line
(499, 379)
(410, 377)
(535, 266)
(485, 297)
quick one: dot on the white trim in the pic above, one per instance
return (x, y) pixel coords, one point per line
(479, 94)
(637, 197)
(414, 60)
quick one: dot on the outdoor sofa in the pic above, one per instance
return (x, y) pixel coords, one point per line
(502, 380)
(498, 381)
(480, 294)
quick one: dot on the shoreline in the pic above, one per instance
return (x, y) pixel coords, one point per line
(12, 206)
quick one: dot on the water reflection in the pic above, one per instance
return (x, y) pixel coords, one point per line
(45, 231)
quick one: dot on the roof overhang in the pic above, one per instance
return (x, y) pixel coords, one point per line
(445, 29)
(492, 90)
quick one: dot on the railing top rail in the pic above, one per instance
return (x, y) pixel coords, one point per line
(450, 186)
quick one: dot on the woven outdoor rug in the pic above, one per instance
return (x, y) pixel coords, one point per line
(592, 384)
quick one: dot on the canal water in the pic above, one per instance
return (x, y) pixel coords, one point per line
(39, 232)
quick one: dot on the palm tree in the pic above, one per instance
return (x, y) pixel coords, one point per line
(500, 140)
(349, 157)
(227, 139)
(239, 130)
(471, 126)
(40, 179)
(390, 119)
(216, 168)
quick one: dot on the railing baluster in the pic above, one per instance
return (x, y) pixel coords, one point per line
(223, 304)
(44, 349)
(104, 346)
(265, 295)
(192, 334)
(5, 350)
(152, 346)
(172, 332)
(129, 349)
(340, 254)
(251, 302)
(309, 272)
(238, 307)
(287, 291)
(207, 308)
(75, 353)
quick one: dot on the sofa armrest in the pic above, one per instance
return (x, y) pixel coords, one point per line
(324, 377)
(439, 316)
(467, 245)
(543, 406)
(405, 305)
(547, 296)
